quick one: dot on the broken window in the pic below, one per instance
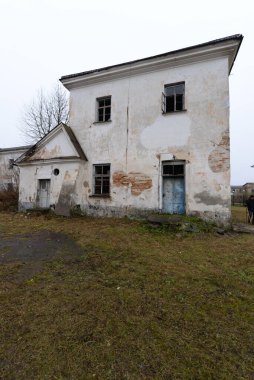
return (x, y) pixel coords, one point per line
(173, 170)
(173, 98)
(104, 109)
(11, 163)
(102, 179)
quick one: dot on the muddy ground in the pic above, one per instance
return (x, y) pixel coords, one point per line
(29, 252)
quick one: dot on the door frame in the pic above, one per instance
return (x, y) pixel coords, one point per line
(171, 162)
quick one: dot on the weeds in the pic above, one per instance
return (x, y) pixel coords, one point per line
(130, 303)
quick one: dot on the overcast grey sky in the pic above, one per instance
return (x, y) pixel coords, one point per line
(42, 40)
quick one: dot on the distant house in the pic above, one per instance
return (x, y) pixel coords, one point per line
(9, 174)
(151, 135)
(247, 188)
(236, 190)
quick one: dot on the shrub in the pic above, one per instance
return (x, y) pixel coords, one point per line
(9, 199)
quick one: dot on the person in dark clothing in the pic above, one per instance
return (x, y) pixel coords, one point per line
(250, 207)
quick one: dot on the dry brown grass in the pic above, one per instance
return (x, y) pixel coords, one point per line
(8, 200)
(239, 214)
(133, 303)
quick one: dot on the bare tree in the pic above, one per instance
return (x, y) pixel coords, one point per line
(44, 113)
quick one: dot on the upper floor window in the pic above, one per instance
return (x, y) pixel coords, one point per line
(101, 179)
(173, 97)
(103, 108)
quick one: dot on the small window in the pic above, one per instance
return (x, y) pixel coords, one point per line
(104, 109)
(102, 179)
(173, 170)
(56, 172)
(11, 163)
(173, 98)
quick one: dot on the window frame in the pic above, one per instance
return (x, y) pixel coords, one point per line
(173, 164)
(164, 99)
(102, 177)
(103, 108)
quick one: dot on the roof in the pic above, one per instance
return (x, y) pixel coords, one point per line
(17, 148)
(25, 157)
(235, 37)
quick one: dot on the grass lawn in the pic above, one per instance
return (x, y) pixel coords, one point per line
(239, 214)
(126, 302)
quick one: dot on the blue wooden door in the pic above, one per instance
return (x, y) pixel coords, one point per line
(173, 195)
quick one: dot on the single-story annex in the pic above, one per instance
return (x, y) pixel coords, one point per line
(151, 135)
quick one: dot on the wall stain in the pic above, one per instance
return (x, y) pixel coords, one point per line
(206, 198)
(218, 159)
(65, 200)
(44, 153)
(137, 181)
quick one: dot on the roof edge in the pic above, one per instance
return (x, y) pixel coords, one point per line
(24, 147)
(71, 136)
(235, 37)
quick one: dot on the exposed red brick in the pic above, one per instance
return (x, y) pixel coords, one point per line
(219, 158)
(138, 181)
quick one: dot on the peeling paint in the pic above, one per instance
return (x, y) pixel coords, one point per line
(66, 196)
(166, 132)
(198, 136)
(138, 181)
(219, 158)
(44, 153)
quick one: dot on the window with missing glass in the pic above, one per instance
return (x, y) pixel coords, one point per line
(101, 174)
(171, 169)
(103, 109)
(173, 97)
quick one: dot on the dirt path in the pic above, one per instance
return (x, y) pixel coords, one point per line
(29, 252)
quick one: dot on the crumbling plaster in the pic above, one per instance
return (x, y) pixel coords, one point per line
(139, 133)
(9, 176)
(61, 200)
(136, 141)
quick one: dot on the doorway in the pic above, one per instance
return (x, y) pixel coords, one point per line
(43, 193)
(173, 187)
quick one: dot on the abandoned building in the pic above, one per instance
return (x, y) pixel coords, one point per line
(151, 135)
(9, 173)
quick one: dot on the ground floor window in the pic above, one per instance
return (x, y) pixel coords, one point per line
(101, 174)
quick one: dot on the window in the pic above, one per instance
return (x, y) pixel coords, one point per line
(173, 98)
(104, 109)
(173, 169)
(56, 171)
(11, 163)
(101, 179)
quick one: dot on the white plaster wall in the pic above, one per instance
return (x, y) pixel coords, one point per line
(58, 146)
(138, 134)
(31, 174)
(9, 176)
